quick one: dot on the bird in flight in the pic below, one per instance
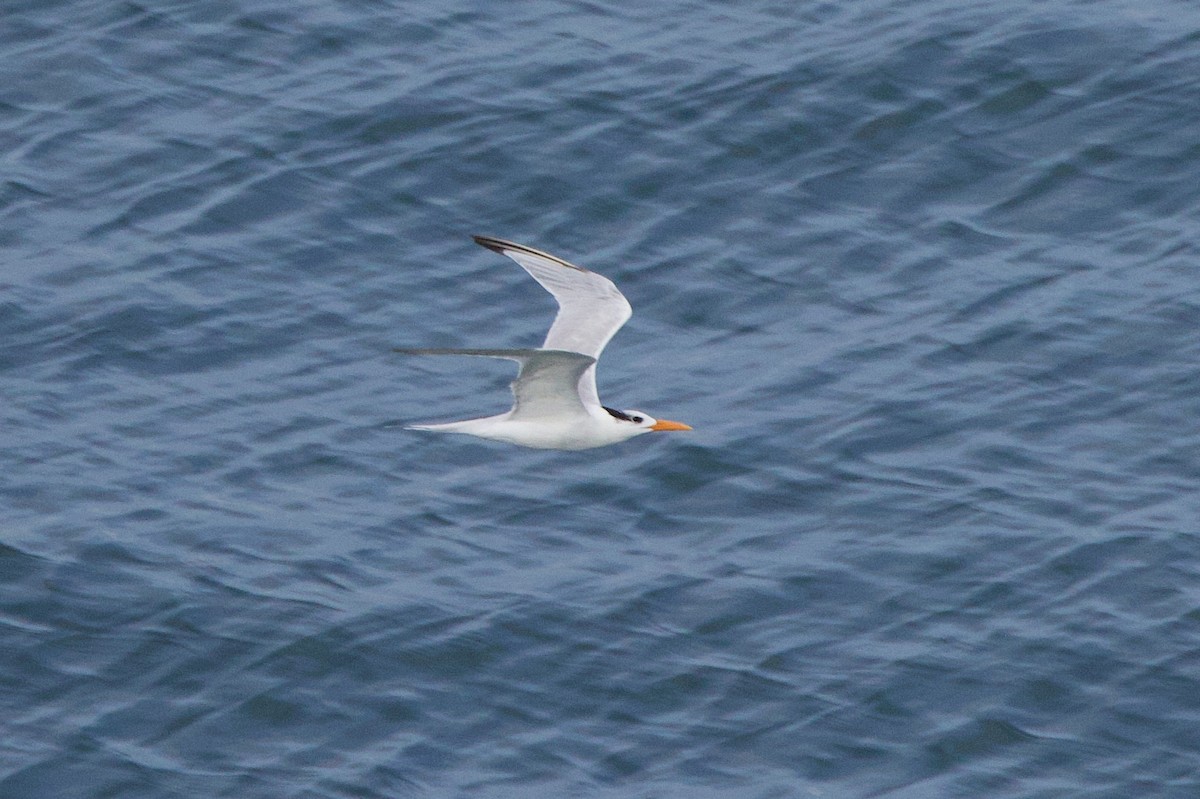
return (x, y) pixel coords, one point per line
(556, 405)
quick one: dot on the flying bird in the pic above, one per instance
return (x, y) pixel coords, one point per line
(556, 405)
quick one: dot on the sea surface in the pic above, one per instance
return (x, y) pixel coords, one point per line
(924, 276)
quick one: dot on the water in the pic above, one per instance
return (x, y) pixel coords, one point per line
(922, 275)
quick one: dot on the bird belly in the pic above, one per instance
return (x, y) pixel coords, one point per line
(566, 433)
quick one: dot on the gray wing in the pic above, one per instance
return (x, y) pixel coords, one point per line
(590, 308)
(547, 385)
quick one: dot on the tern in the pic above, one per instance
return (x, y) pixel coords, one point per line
(556, 405)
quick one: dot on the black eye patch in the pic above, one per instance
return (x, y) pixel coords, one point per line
(624, 417)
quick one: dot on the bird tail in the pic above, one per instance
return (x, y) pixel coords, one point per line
(466, 425)
(443, 427)
(515, 355)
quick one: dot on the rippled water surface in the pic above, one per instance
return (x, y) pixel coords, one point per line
(923, 275)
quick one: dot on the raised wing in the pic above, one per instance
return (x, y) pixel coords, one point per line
(548, 384)
(590, 308)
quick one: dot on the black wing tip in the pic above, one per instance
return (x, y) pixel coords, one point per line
(503, 246)
(496, 245)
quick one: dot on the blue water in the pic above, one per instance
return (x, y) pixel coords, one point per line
(924, 276)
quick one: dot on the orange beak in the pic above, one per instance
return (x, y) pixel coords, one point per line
(663, 424)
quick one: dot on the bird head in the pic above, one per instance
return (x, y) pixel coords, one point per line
(640, 422)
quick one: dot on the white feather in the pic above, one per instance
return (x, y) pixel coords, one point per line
(555, 402)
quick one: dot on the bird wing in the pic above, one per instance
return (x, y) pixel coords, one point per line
(590, 308)
(547, 385)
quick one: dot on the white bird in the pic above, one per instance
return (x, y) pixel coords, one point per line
(556, 405)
